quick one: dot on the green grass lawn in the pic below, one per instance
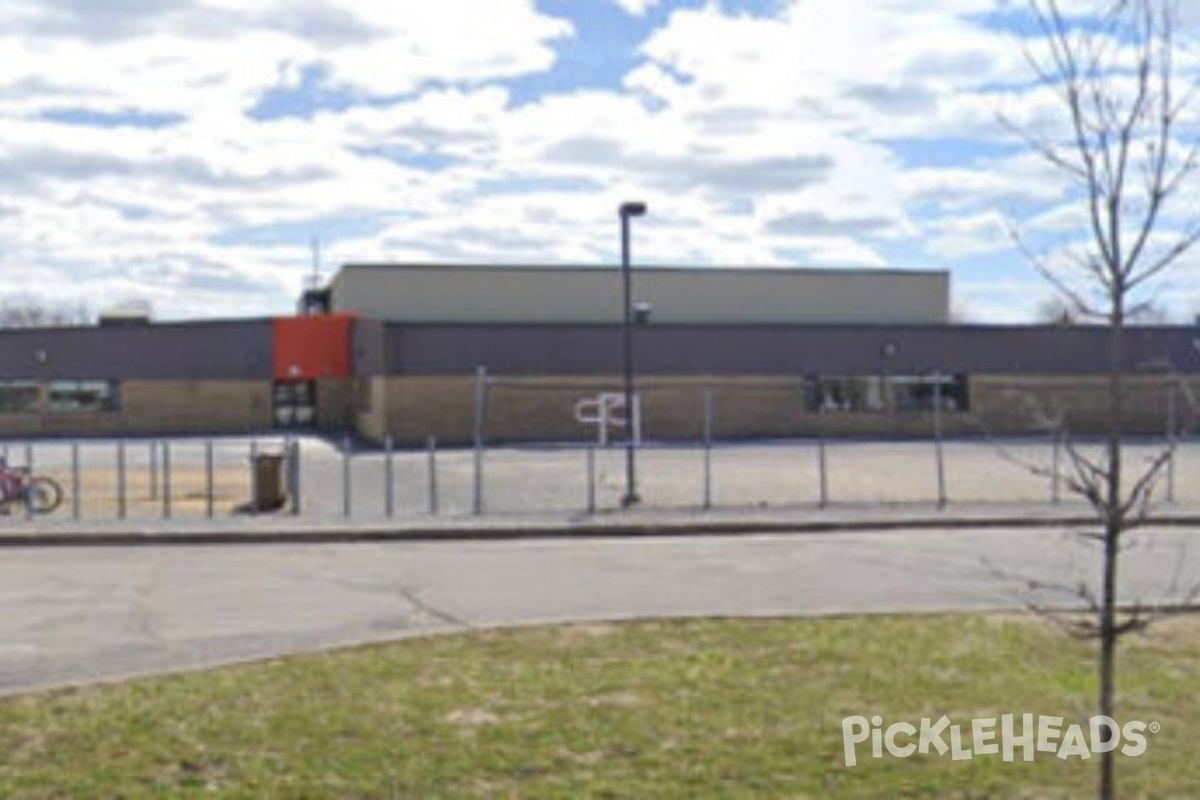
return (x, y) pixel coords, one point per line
(703, 708)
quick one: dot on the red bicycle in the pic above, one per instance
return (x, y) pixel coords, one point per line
(38, 493)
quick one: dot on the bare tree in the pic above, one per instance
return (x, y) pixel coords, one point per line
(32, 312)
(1113, 76)
(1149, 312)
(1055, 311)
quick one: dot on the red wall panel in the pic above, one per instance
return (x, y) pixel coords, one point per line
(318, 346)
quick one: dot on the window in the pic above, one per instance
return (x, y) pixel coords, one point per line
(294, 403)
(919, 393)
(845, 394)
(18, 397)
(74, 396)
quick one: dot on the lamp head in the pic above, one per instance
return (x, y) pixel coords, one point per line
(632, 209)
(641, 312)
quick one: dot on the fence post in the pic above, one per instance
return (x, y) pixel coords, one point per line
(29, 466)
(75, 481)
(1056, 475)
(293, 449)
(480, 412)
(389, 471)
(121, 487)
(431, 447)
(822, 472)
(937, 439)
(590, 461)
(346, 476)
(166, 480)
(153, 469)
(1172, 442)
(708, 436)
(208, 479)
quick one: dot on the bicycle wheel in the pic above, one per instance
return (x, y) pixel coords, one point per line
(43, 495)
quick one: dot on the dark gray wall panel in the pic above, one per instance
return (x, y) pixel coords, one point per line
(234, 350)
(772, 350)
(242, 350)
(369, 346)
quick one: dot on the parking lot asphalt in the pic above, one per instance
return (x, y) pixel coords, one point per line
(83, 614)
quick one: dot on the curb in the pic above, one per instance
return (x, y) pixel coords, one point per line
(542, 530)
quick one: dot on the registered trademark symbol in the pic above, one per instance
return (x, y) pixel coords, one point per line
(1155, 727)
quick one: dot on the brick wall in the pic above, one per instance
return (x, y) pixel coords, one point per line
(1006, 403)
(542, 409)
(195, 406)
(157, 406)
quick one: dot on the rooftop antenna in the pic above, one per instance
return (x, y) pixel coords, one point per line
(314, 280)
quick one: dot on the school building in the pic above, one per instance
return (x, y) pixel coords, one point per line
(394, 349)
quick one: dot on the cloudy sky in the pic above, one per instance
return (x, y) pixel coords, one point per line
(185, 152)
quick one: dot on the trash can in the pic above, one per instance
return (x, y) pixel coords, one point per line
(268, 482)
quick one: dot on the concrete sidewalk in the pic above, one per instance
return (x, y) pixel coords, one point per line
(282, 528)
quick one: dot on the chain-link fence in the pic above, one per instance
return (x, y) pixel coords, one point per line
(323, 480)
(134, 480)
(572, 448)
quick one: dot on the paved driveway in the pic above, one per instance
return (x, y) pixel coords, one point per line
(72, 615)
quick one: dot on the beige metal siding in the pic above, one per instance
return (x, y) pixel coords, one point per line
(700, 295)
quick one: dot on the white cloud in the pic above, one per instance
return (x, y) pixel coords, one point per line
(972, 235)
(754, 139)
(198, 56)
(636, 8)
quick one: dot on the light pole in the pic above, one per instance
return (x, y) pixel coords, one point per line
(628, 210)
